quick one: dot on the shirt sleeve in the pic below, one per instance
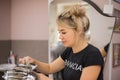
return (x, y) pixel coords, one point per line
(93, 58)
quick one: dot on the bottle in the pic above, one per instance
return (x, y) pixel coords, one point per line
(12, 58)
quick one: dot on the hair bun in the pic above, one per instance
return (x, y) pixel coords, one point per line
(78, 11)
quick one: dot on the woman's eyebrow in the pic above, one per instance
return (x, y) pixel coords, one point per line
(61, 30)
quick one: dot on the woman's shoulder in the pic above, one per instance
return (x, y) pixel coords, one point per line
(93, 51)
(92, 56)
(92, 48)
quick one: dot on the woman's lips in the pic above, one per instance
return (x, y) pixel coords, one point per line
(63, 42)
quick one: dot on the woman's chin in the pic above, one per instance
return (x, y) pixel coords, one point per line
(66, 45)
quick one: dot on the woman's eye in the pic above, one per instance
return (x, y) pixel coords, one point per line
(63, 32)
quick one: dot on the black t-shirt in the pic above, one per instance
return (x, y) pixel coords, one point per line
(75, 62)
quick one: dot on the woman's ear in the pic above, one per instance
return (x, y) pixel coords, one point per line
(79, 31)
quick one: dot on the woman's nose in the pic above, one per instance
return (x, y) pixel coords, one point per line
(60, 37)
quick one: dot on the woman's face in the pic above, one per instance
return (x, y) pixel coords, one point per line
(67, 35)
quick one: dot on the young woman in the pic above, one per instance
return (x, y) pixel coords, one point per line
(80, 60)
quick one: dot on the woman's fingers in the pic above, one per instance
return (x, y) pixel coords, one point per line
(26, 60)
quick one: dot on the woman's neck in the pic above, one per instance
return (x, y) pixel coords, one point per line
(79, 45)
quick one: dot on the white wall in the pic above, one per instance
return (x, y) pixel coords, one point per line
(29, 19)
(99, 27)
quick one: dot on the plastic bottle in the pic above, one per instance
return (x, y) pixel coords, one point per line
(12, 58)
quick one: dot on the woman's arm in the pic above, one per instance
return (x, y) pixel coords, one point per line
(53, 67)
(45, 68)
(104, 50)
(43, 77)
(90, 72)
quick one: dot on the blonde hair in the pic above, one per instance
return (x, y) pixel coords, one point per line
(75, 17)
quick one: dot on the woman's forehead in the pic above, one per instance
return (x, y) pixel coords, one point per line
(64, 28)
(61, 28)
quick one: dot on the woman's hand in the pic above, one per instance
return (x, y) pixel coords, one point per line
(26, 60)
